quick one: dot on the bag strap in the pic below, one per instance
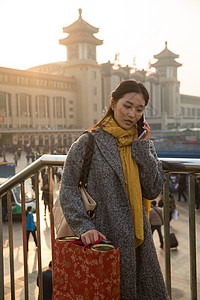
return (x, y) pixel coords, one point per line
(87, 160)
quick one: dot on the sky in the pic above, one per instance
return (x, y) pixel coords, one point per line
(30, 31)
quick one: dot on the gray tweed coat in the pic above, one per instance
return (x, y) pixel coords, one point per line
(140, 274)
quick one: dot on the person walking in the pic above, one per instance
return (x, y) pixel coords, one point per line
(197, 192)
(47, 283)
(124, 170)
(172, 206)
(182, 186)
(156, 220)
(16, 159)
(46, 192)
(30, 226)
(28, 158)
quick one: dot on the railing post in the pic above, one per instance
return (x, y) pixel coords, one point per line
(51, 211)
(192, 234)
(38, 236)
(24, 241)
(1, 254)
(167, 235)
(10, 229)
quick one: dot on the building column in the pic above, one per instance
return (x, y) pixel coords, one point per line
(46, 109)
(38, 112)
(55, 110)
(27, 109)
(7, 111)
(62, 103)
(19, 110)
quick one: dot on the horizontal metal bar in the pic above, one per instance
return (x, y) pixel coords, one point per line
(173, 165)
(37, 165)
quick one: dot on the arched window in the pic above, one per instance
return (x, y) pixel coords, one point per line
(46, 141)
(52, 140)
(32, 140)
(40, 140)
(26, 140)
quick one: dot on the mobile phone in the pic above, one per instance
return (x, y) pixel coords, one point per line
(141, 131)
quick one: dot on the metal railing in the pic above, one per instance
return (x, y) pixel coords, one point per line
(173, 165)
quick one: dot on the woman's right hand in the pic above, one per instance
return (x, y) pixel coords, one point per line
(91, 236)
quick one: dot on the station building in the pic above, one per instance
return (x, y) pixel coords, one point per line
(52, 104)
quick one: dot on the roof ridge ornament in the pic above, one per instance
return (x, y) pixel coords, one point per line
(165, 44)
(80, 12)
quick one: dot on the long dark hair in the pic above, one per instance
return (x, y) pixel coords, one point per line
(28, 210)
(125, 87)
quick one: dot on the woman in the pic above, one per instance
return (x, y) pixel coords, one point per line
(123, 171)
(30, 225)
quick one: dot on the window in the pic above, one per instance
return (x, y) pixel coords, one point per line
(22, 105)
(95, 90)
(95, 106)
(94, 74)
(2, 106)
(59, 107)
(42, 107)
(58, 103)
(5, 98)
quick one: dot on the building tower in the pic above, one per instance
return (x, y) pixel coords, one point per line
(166, 69)
(81, 63)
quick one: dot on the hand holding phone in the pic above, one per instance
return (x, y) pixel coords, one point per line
(140, 129)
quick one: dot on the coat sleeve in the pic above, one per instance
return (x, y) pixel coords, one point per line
(70, 196)
(152, 176)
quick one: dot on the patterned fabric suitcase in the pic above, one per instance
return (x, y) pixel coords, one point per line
(84, 274)
(173, 240)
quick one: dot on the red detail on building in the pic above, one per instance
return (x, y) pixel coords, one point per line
(2, 119)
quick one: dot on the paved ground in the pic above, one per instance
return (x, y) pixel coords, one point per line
(180, 264)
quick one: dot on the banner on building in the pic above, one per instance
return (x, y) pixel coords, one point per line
(2, 119)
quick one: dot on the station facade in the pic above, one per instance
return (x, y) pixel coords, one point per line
(52, 104)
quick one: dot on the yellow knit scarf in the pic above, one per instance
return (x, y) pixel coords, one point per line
(124, 140)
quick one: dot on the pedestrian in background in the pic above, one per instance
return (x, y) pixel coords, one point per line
(156, 220)
(46, 192)
(16, 159)
(182, 186)
(30, 225)
(4, 156)
(47, 283)
(172, 206)
(197, 192)
(28, 158)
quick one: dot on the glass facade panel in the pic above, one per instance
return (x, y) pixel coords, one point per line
(2, 104)
(58, 107)
(41, 106)
(23, 105)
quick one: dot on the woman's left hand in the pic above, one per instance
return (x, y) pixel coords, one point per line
(146, 136)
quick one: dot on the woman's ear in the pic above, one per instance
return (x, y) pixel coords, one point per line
(112, 104)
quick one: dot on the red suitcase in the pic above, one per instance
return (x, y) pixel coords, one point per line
(82, 274)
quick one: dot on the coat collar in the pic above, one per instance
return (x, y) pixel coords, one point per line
(108, 147)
